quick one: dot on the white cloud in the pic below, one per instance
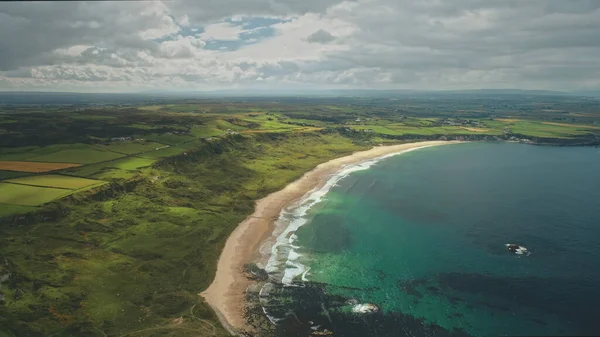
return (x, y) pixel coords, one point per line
(221, 31)
(181, 47)
(365, 43)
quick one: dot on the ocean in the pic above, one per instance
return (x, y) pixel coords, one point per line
(415, 245)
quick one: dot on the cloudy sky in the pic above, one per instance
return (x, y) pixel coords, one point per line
(118, 46)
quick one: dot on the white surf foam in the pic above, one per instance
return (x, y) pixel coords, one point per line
(284, 260)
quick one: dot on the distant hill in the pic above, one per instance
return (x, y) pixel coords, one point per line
(589, 93)
(69, 98)
(508, 92)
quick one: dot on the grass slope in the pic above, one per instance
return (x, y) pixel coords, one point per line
(79, 156)
(137, 258)
(28, 195)
(6, 210)
(131, 147)
(53, 180)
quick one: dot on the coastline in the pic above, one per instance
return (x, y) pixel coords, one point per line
(226, 294)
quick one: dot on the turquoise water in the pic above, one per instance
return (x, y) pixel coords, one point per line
(423, 234)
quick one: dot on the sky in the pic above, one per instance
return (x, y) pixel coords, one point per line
(188, 45)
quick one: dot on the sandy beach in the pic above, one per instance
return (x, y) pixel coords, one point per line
(226, 294)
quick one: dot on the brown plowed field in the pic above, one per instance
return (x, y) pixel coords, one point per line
(28, 166)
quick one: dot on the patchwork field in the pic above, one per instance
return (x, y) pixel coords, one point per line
(573, 125)
(548, 130)
(12, 174)
(131, 261)
(25, 195)
(117, 168)
(132, 163)
(205, 131)
(131, 147)
(6, 210)
(80, 156)
(37, 167)
(172, 139)
(55, 180)
(162, 153)
(399, 129)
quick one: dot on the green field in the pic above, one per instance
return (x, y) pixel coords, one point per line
(6, 210)
(58, 153)
(12, 174)
(400, 129)
(131, 163)
(113, 173)
(172, 139)
(78, 156)
(116, 169)
(538, 129)
(53, 180)
(205, 131)
(130, 257)
(89, 170)
(19, 153)
(131, 147)
(162, 153)
(29, 195)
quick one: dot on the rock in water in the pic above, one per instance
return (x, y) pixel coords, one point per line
(365, 308)
(517, 249)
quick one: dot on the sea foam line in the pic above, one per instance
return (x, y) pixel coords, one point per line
(283, 251)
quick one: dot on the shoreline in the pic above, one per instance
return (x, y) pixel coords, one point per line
(226, 294)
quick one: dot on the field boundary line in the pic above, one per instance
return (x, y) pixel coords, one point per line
(39, 186)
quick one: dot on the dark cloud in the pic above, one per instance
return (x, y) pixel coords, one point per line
(30, 31)
(320, 36)
(425, 44)
(210, 10)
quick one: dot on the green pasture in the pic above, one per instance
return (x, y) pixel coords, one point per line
(54, 180)
(116, 169)
(142, 126)
(113, 173)
(6, 210)
(224, 125)
(310, 122)
(131, 146)
(538, 129)
(205, 131)
(29, 195)
(12, 174)
(86, 117)
(131, 163)
(399, 129)
(57, 153)
(162, 153)
(273, 124)
(172, 139)
(340, 108)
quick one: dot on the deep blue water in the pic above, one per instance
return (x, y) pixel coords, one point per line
(423, 234)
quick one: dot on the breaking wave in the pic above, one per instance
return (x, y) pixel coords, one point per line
(284, 263)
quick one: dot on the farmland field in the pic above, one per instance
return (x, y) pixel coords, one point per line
(54, 180)
(113, 173)
(172, 139)
(80, 156)
(6, 209)
(12, 174)
(25, 166)
(131, 147)
(166, 152)
(29, 195)
(132, 163)
(205, 131)
(129, 258)
(111, 169)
